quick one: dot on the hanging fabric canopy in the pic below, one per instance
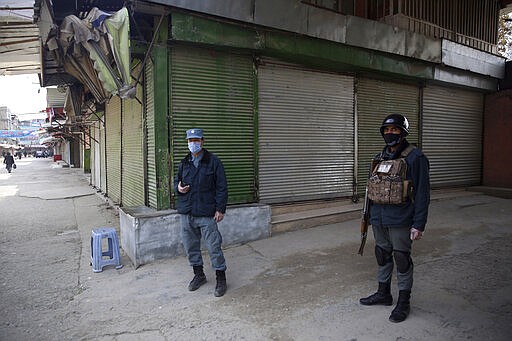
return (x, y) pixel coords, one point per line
(96, 51)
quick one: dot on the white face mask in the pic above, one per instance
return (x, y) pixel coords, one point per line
(194, 147)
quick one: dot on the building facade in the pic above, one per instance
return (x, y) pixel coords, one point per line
(290, 94)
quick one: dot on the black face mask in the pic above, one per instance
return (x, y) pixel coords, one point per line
(392, 139)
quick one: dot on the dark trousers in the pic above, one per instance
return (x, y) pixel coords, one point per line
(391, 240)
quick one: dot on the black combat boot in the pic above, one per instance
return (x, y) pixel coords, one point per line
(199, 278)
(403, 307)
(221, 287)
(382, 296)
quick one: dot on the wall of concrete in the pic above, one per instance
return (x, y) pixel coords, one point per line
(497, 151)
(147, 234)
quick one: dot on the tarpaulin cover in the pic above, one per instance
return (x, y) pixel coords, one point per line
(15, 133)
(105, 37)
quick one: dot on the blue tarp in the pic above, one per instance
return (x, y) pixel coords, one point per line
(15, 133)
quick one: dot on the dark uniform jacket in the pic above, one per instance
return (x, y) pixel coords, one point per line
(208, 186)
(412, 213)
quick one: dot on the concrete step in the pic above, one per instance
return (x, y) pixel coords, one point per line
(296, 216)
(305, 215)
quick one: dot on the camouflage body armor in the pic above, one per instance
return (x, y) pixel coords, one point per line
(387, 183)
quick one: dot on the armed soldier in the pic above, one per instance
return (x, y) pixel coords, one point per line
(399, 193)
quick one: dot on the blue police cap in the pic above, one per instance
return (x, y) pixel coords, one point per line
(195, 133)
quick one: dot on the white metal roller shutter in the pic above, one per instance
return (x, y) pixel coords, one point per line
(92, 133)
(375, 100)
(452, 135)
(306, 134)
(96, 154)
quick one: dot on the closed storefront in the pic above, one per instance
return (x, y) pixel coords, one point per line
(132, 150)
(113, 148)
(103, 157)
(306, 134)
(375, 100)
(149, 111)
(96, 155)
(452, 135)
(214, 91)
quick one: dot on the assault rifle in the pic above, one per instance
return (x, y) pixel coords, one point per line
(364, 221)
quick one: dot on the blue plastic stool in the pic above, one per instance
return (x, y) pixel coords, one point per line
(97, 254)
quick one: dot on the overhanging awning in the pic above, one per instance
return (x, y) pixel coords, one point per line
(19, 38)
(95, 50)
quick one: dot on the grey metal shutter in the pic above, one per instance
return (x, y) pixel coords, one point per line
(214, 91)
(149, 95)
(113, 143)
(132, 144)
(452, 135)
(92, 133)
(306, 134)
(96, 154)
(375, 100)
(103, 158)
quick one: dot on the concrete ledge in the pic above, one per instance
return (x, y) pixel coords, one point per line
(314, 217)
(500, 192)
(148, 234)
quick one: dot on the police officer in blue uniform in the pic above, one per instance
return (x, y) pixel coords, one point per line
(395, 226)
(202, 198)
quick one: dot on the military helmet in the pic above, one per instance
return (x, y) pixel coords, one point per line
(396, 120)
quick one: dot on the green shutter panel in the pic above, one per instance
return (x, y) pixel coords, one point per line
(113, 143)
(133, 165)
(214, 91)
(96, 155)
(375, 100)
(149, 95)
(103, 157)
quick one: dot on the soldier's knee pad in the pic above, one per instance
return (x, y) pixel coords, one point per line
(403, 261)
(383, 257)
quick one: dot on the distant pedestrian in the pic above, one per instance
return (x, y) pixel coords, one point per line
(9, 161)
(202, 198)
(399, 193)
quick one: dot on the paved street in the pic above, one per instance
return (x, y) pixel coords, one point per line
(302, 285)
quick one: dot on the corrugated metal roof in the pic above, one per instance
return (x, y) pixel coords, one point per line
(19, 38)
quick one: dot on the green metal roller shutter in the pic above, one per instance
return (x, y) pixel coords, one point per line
(452, 135)
(149, 95)
(214, 91)
(132, 149)
(375, 100)
(96, 155)
(113, 143)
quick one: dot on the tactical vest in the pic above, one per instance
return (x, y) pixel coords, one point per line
(387, 183)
